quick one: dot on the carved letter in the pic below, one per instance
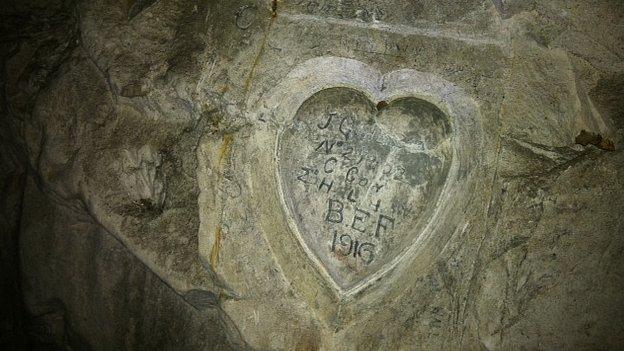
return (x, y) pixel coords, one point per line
(351, 197)
(344, 132)
(377, 204)
(382, 225)
(328, 168)
(320, 126)
(328, 146)
(304, 177)
(325, 184)
(359, 217)
(351, 174)
(334, 211)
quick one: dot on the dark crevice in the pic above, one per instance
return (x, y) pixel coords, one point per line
(501, 8)
(139, 6)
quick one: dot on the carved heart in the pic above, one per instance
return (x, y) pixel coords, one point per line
(361, 178)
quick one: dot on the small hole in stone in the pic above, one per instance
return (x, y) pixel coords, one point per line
(381, 105)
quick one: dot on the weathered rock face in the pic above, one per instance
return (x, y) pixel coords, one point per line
(335, 175)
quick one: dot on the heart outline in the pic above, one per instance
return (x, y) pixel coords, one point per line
(282, 103)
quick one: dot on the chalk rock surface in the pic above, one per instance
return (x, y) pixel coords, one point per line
(311, 174)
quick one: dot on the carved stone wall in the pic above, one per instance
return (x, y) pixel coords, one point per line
(312, 174)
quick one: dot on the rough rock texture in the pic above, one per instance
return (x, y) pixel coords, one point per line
(142, 204)
(85, 290)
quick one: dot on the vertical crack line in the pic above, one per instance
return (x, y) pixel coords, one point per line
(265, 39)
(216, 246)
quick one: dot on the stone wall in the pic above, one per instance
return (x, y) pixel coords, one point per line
(311, 174)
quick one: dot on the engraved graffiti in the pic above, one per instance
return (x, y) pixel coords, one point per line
(356, 190)
(343, 163)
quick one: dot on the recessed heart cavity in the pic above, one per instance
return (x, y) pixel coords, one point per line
(361, 178)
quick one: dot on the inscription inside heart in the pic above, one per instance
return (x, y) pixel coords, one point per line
(361, 179)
